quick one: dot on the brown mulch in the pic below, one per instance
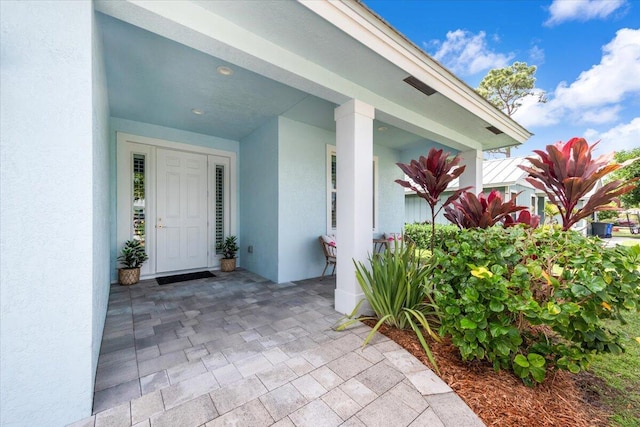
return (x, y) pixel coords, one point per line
(501, 399)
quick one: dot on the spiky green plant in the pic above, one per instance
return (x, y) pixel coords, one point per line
(397, 288)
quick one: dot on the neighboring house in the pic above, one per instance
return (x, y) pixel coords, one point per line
(503, 175)
(184, 122)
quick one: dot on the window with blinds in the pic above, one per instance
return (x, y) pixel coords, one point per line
(219, 205)
(139, 197)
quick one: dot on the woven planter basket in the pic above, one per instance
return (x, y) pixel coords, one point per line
(227, 264)
(128, 276)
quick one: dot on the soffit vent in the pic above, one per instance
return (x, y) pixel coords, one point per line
(422, 87)
(494, 129)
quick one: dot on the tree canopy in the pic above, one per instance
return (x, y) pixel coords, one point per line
(505, 87)
(631, 199)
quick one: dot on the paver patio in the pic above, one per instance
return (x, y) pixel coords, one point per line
(239, 350)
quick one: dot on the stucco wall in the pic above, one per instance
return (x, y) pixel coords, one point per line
(302, 198)
(390, 195)
(258, 165)
(47, 212)
(101, 217)
(160, 132)
(414, 153)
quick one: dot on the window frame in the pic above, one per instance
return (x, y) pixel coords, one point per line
(331, 151)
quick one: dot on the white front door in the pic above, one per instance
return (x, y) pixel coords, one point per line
(182, 208)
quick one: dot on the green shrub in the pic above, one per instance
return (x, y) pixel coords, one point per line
(604, 216)
(532, 300)
(396, 287)
(420, 234)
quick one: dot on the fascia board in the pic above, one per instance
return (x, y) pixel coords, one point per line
(365, 26)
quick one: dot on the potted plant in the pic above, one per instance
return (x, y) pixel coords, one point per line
(228, 247)
(132, 256)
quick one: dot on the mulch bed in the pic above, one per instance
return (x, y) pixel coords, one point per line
(501, 399)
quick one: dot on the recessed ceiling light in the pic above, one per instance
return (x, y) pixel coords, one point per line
(224, 70)
(382, 129)
(197, 111)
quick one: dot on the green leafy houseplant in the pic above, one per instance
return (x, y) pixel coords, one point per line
(397, 289)
(228, 247)
(132, 256)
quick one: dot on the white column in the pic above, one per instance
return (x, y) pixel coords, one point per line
(354, 222)
(472, 176)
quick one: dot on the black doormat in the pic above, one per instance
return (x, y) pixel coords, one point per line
(165, 280)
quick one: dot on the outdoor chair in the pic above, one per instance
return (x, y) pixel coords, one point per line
(329, 250)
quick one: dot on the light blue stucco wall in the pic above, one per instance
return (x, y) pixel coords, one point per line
(284, 198)
(159, 132)
(390, 194)
(302, 198)
(101, 185)
(50, 278)
(414, 153)
(259, 201)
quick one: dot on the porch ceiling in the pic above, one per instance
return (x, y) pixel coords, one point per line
(152, 79)
(286, 60)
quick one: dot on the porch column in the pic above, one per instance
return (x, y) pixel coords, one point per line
(472, 176)
(354, 221)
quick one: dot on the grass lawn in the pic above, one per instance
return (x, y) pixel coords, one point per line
(621, 376)
(624, 232)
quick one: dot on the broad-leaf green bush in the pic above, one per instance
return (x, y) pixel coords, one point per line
(532, 300)
(420, 234)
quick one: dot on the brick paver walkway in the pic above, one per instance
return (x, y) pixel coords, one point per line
(238, 350)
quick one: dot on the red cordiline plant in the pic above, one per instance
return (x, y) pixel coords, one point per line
(566, 172)
(524, 217)
(484, 211)
(429, 177)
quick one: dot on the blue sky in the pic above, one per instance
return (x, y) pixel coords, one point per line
(587, 53)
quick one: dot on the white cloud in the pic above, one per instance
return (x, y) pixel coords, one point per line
(615, 76)
(466, 53)
(595, 97)
(625, 136)
(533, 113)
(599, 116)
(581, 10)
(536, 55)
